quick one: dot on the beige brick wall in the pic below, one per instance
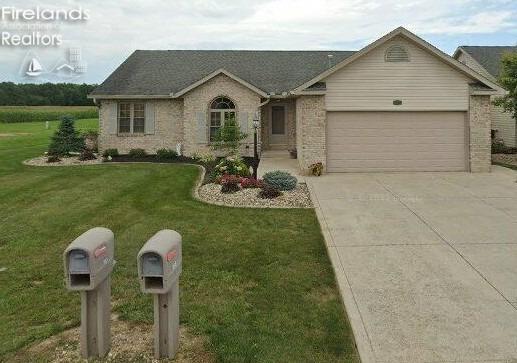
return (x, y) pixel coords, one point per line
(479, 126)
(167, 133)
(199, 99)
(290, 105)
(310, 126)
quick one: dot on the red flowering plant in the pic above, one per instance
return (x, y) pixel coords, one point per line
(230, 183)
(251, 183)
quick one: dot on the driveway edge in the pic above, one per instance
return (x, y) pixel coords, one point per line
(362, 341)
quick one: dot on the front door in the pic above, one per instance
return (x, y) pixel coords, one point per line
(277, 133)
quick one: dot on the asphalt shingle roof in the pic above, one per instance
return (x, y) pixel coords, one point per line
(489, 56)
(160, 72)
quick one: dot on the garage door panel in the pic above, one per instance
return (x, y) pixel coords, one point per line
(388, 148)
(412, 132)
(396, 141)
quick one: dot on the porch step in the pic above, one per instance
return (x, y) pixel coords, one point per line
(278, 147)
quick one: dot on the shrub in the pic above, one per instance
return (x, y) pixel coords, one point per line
(53, 159)
(87, 154)
(110, 153)
(232, 165)
(269, 192)
(166, 154)
(230, 184)
(137, 153)
(66, 139)
(251, 183)
(316, 169)
(281, 180)
(205, 158)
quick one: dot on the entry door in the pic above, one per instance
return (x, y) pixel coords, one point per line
(278, 127)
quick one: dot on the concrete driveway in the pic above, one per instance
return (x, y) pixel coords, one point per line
(426, 262)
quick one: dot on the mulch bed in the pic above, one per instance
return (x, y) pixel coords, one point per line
(65, 161)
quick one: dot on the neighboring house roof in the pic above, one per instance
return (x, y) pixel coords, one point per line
(162, 72)
(489, 57)
(417, 40)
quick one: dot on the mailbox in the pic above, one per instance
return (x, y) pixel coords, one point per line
(89, 259)
(159, 262)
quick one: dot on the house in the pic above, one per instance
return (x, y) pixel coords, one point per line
(486, 60)
(398, 104)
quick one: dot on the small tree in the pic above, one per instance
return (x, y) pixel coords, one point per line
(229, 136)
(66, 139)
(508, 79)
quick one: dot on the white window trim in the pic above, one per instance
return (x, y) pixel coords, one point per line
(221, 111)
(131, 118)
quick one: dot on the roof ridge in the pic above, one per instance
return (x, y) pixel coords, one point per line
(244, 50)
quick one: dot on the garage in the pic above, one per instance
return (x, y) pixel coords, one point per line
(396, 141)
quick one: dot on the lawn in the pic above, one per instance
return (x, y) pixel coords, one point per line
(10, 114)
(256, 283)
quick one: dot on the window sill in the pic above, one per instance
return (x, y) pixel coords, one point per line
(128, 134)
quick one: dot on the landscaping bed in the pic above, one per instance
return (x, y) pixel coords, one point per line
(296, 198)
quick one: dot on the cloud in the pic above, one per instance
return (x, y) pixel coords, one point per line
(116, 28)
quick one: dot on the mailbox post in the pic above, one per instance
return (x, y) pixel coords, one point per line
(159, 268)
(88, 262)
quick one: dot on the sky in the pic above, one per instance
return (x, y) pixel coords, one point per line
(114, 29)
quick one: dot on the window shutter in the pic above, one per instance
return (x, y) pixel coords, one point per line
(244, 121)
(112, 117)
(202, 133)
(149, 118)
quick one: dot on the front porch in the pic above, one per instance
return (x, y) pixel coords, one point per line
(278, 125)
(271, 160)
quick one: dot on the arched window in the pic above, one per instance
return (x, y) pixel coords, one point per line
(222, 109)
(396, 53)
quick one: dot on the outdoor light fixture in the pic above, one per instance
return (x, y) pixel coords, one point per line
(256, 121)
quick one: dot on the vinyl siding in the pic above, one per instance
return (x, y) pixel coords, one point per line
(504, 124)
(371, 84)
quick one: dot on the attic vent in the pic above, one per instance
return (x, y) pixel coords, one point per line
(396, 53)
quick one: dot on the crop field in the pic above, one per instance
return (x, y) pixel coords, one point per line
(15, 114)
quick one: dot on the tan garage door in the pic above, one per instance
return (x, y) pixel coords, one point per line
(396, 141)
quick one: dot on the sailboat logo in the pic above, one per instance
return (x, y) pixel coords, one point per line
(34, 69)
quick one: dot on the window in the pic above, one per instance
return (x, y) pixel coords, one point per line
(131, 118)
(396, 53)
(222, 110)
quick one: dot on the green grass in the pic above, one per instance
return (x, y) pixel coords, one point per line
(14, 114)
(256, 283)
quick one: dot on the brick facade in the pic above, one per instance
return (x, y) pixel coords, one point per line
(199, 99)
(168, 128)
(176, 119)
(479, 136)
(311, 130)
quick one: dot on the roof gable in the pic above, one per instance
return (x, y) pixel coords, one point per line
(418, 41)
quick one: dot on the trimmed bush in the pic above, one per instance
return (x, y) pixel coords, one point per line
(87, 154)
(230, 184)
(66, 139)
(137, 153)
(166, 154)
(269, 192)
(280, 180)
(110, 152)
